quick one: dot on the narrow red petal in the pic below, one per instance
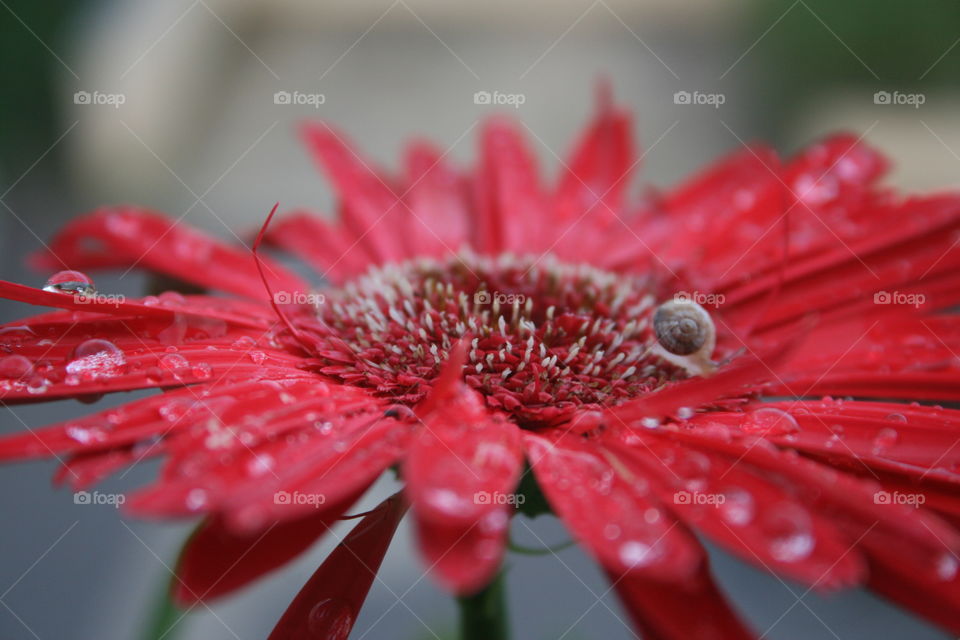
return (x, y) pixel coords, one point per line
(125, 236)
(461, 471)
(328, 604)
(609, 510)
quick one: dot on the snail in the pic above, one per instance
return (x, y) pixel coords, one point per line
(685, 335)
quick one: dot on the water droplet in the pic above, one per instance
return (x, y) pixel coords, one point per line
(789, 530)
(685, 413)
(260, 464)
(737, 507)
(330, 618)
(202, 370)
(72, 282)
(244, 342)
(611, 532)
(636, 553)
(14, 367)
(95, 357)
(770, 421)
(196, 499)
(171, 298)
(947, 565)
(885, 438)
(897, 417)
(257, 356)
(173, 362)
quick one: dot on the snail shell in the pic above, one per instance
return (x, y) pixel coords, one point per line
(683, 327)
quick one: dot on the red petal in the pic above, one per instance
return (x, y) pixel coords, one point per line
(589, 198)
(332, 250)
(752, 513)
(217, 561)
(461, 471)
(610, 511)
(371, 210)
(511, 204)
(691, 610)
(328, 604)
(438, 211)
(125, 236)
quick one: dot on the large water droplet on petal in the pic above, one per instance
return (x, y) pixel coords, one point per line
(947, 565)
(770, 421)
(885, 438)
(174, 363)
(789, 528)
(96, 357)
(737, 507)
(330, 618)
(72, 282)
(14, 367)
(636, 553)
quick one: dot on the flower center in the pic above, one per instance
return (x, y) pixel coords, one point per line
(546, 338)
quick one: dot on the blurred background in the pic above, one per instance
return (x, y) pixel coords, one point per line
(191, 107)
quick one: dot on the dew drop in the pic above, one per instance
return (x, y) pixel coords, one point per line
(737, 507)
(96, 357)
(14, 367)
(770, 421)
(789, 530)
(885, 439)
(72, 282)
(947, 565)
(330, 618)
(611, 532)
(636, 553)
(173, 362)
(196, 499)
(897, 417)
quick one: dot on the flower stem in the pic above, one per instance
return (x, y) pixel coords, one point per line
(483, 616)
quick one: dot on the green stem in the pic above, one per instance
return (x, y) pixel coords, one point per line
(483, 616)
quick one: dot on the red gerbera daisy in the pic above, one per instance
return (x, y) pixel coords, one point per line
(659, 364)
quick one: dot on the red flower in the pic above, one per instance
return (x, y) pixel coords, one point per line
(479, 320)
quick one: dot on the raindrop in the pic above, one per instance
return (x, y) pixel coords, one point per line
(96, 357)
(789, 530)
(737, 507)
(897, 417)
(770, 421)
(174, 362)
(611, 532)
(72, 282)
(947, 565)
(330, 618)
(196, 499)
(885, 439)
(636, 553)
(14, 367)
